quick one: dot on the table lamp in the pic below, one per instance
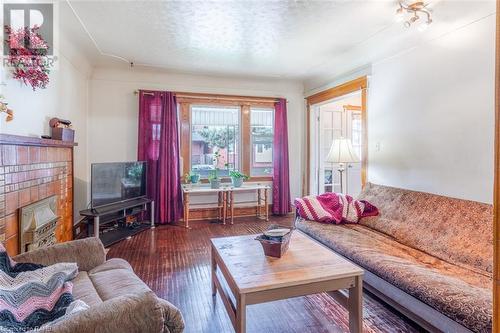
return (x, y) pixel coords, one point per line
(342, 152)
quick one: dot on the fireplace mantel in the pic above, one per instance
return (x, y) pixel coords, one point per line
(32, 169)
(11, 139)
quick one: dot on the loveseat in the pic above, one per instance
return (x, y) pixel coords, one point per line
(428, 256)
(118, 300)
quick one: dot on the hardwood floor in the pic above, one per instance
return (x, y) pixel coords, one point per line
(175, 263)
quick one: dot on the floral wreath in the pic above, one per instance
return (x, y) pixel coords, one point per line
(30, 64)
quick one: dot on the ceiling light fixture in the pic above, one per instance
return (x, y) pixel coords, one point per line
(414, 9)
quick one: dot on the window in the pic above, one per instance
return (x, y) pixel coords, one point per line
(262, 132)
(214, 132)
(238, 129)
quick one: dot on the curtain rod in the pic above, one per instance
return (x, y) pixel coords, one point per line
(217, 96)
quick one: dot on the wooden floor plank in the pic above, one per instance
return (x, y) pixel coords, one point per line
(175, 263)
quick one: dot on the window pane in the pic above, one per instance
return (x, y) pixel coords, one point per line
(356, 133)
(262, 131)
(214, 129)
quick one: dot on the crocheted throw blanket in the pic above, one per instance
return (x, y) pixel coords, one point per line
(333, 208)
(31, 294)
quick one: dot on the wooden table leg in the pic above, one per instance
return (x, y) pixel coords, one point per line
(266, 208)
(224, 207)
(231, 199)
(219, 206)
(186, 210)
(258, 212)
(355, 306)
(214, 271)
(241, 314)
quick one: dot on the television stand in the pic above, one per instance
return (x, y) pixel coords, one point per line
(109, 214)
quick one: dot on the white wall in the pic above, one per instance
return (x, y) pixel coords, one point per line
(113, 109)
(66, 96)
(431, 110)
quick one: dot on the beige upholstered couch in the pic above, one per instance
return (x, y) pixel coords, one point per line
(429, 256)
(119, 301)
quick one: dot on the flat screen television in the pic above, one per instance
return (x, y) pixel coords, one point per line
(117, 182)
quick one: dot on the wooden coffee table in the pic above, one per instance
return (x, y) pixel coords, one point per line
(307, 268)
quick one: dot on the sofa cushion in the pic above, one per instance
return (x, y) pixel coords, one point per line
(83, 289)
(113, 281)
(136, 313)
(114, 278)
(113, 263)
(461, 294)
(457, 231)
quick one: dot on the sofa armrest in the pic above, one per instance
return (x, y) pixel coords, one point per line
(129, 313)
(172, 317)
(87, 253)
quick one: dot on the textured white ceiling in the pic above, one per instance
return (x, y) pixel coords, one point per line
(289, 39)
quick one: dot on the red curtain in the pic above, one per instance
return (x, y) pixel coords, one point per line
(159, 147)
(281, 180)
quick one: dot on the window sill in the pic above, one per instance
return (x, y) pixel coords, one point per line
(227, 180)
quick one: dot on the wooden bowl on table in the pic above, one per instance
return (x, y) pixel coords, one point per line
(275, 240)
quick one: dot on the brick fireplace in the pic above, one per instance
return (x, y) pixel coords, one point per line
(31, 170)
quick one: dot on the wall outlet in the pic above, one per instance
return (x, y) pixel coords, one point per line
(377, 146)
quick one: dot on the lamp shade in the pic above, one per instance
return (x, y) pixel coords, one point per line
(342, 151)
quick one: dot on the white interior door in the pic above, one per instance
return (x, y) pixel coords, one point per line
(331, 121)
(331, 127)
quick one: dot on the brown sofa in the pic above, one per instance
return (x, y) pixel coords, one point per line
(429, 256)
(119, 301)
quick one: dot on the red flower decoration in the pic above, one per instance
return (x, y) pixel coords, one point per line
(28, 56)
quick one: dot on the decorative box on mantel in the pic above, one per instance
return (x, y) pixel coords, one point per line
(33, 169)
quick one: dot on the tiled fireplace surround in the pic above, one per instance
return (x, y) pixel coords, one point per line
(32, 169)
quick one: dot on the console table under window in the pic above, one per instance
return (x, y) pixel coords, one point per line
(226, 200)
(261, 204)
(188, 190)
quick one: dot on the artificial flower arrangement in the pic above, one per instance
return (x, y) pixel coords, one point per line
(5, 109)
(31, 64)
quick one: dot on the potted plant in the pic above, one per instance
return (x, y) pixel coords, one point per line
(192, 177)
(214, 179)
(237, 178)
(195, 177)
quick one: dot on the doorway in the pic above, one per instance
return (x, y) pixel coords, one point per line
(335, 119)
(339, 112)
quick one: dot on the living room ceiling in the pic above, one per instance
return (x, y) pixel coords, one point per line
(286, 39)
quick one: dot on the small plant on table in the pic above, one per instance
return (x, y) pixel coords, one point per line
(213, 177)
(237, 178)
(192, 177)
